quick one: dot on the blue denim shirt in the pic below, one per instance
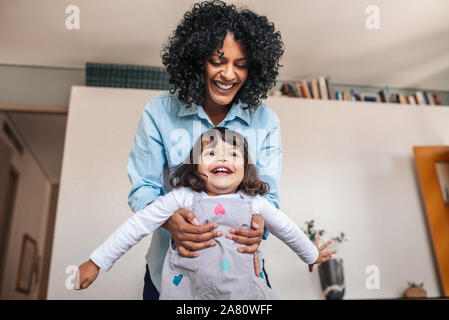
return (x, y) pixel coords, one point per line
(165, 135)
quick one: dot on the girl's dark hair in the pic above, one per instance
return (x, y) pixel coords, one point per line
(187, 175)
(202, 31)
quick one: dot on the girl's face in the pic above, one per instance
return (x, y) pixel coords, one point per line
(222, 168)
(229, 71)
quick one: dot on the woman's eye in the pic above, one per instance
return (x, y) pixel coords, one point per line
(235, 154)
(211, 153)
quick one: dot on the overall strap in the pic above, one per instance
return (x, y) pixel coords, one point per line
(196, 198)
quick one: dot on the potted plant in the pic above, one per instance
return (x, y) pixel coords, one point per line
(331, 271)
(415, 291)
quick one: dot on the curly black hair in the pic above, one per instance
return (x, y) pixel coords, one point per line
(202, 31)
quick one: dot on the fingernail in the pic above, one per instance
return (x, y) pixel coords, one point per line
(229, 236)
(212, 243)
(196, 222)
(232, 230)
(240, 250)
(256, 225)
(195, 254)
(219, 233)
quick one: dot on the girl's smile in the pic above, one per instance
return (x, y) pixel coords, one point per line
(222, 168)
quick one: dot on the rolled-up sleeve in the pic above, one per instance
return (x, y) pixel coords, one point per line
(146, 162)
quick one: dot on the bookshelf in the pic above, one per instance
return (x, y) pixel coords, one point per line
(322, 88)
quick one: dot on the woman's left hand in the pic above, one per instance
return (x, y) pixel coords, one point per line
(251, 238)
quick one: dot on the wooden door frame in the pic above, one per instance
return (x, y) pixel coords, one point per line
(437, 211)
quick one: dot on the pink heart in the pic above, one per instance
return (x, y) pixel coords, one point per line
(219, 209)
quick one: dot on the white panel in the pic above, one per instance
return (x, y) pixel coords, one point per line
(348, 165)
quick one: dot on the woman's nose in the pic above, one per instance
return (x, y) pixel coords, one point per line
(228, 73)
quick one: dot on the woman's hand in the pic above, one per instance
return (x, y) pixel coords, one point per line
(323, 256)
(87, 273)
(188, 235)
(251, 238)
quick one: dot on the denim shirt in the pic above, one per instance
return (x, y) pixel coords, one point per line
(167, 131)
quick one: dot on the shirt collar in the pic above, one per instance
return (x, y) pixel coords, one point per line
(235, 111)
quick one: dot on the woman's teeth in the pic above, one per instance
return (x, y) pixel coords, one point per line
(223, 86)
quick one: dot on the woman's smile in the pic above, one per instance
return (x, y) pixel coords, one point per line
(226, 71)
(223, 88)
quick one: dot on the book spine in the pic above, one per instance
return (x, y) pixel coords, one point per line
(323, 88)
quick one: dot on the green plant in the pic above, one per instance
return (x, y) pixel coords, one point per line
(312, 233)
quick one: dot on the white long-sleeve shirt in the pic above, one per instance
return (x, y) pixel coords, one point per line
(145, 221)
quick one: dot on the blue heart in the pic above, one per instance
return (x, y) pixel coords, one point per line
(261, 275)
(226, 265)
(177, 279)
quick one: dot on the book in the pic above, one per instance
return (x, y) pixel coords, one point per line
(295, 90)
(419, 97)
(353, 95)
(291, 90)
(412, 100)
(394, 98)
(305, 90)
(323, 88)
(426, 97)
(436, 97)
(285, 90)
(347, 95)
(403, 98)
(315, 90)
(329, 87)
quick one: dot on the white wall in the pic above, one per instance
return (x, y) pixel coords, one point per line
(347, 165)
(29, 215)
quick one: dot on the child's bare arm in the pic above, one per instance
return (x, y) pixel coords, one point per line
(87, 273)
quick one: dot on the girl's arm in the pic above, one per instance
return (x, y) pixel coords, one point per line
(142, 223)
(286, 230)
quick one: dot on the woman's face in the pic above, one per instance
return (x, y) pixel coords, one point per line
(222, 168)
(229, 71)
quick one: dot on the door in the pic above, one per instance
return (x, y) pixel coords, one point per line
(8, 187)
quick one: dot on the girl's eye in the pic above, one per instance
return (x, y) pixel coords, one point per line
(235, 154)
(211, 153)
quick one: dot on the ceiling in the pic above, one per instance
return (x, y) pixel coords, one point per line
(322, 37)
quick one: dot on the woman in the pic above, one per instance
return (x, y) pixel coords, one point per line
(222, 62)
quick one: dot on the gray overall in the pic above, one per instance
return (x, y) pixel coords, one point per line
(219, 272)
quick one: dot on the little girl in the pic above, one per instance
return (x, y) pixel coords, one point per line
(219, 183)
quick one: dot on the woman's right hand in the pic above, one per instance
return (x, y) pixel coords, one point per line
(188, 235)
(87, 273)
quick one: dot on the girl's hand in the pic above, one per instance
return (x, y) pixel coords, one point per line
(188, 235)
(87, 273)
(323, 256)
(251, 238)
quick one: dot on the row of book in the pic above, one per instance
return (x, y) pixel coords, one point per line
(321, 88)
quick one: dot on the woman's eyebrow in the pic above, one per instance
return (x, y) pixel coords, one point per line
(224, 58)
